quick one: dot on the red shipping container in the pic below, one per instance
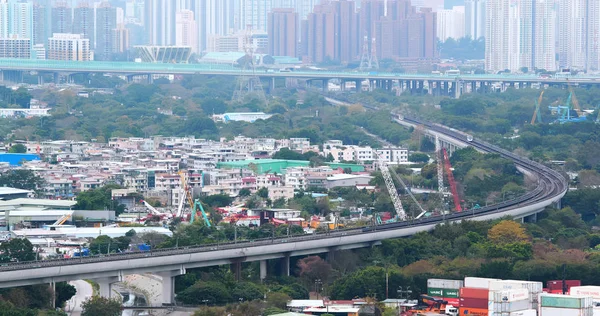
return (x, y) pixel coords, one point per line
(473, 302)
(452, 301)
(473, 311)
(468, 292)
(558, 284)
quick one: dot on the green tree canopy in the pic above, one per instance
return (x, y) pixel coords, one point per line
(100, 306)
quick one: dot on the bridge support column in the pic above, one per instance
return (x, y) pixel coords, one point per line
(236, 268)
(40, 79)
(263, 269)
(168, 284)
(330, 256)
(272, 85)
(150, 79)
(105, 285)
(56, 78)
(284, 266)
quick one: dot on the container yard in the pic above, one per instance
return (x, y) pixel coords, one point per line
(494, 297)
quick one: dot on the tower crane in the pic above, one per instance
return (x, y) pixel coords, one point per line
(423, 212)
(391, 187)
(536, 112)
(440, 166)
(451, 181)
(574, 100)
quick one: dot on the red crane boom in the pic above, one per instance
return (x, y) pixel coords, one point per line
(451, 181)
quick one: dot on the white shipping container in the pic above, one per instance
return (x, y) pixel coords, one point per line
(551, 311)
(479, 283)
(593, 291)
(509, 307)
(509, 295)
(528, 312)
(533, 287)
(444, 284)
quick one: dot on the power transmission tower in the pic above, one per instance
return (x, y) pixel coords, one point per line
(248, 82)
(373, 61)
(365, 61)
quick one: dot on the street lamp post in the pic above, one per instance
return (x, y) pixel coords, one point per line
(318, 282)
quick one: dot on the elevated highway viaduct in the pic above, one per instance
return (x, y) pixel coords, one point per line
(452, 85)
(168, 263)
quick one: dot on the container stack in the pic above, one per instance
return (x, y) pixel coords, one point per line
(534, 289)
(591, 291)
(473, 301)
(556, 287)
(562, 305)
(447, 290)
(510, 303)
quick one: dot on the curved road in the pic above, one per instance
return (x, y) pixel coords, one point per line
(551, 186)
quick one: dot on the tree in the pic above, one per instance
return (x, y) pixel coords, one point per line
(17, 249)
(21, 179)
(17, 149)
(64, 292)
(214, 292)
(247, 291)
(277, 299)
(418, 157)
(98, 199)
(244, 192)
(218, 200)
(101, 306)
(288, 154)
(507, 232)
(263, 192)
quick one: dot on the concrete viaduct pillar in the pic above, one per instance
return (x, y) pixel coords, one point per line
(168, 284)
(236, 268)
(284, 266)
(105, 285)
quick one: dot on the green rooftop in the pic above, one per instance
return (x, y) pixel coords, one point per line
(278, 165)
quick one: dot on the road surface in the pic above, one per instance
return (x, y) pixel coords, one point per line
(84, 291)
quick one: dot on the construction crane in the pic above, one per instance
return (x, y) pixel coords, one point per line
(536, 112)
(198, 206)
(564, 113)
(440, 166)
(574, 100)
(391, 187)
(185, 194)
(423, 212)
(451, 181)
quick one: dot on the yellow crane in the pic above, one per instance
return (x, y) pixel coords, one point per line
(574, 100)
(536, 112)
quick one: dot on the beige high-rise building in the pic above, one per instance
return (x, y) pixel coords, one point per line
(516, 38)
(71, 47)
(475, 18)
(451, 23)
(186, 30)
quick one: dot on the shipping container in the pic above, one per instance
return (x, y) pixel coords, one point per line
(479, 283)
(533, 287)
(473, 311)
(473, 302)
(558, 284)
(510, 307)
(527, 312)
(509, 295)
(472, 292)
(435, 292)
(454, 293)
(454, 301)
(444, 284)
(553, 311)
(564, 301)
(593, 291)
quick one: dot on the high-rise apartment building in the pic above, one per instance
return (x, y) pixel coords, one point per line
(71, 47)
(106, 22)
(83, 21)
(186, 30)
(283, 32)
(62, 18)
(544, 35)
(214, 18)
(21, 19)
(370, 12)
(254, 13)
(120, 39)
(320, 37)
(39, 24)
(520, 34)
(15, 47)
(451, 23)
(475, 18)
(159, 21)
(4, 20)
